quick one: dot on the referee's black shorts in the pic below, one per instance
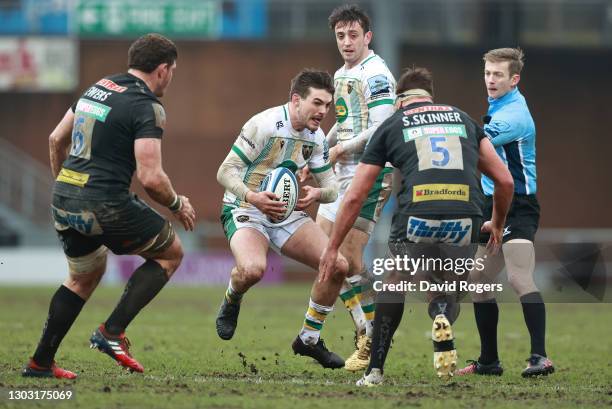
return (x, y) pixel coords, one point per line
(522, 220)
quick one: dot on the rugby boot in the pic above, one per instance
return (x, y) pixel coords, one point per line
(360, 359)
(445, 355)
(374, 378)
(318, 352)
(227, 319)
(538, 365)
(475, 367)
(117, 347)
(32, 369)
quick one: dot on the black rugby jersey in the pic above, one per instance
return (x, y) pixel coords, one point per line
(436, 149)
(109, 117)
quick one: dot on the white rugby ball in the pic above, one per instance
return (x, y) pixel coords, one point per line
(282, 182)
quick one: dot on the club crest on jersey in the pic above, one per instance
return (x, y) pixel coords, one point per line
(454, 231)
(307, 151)
(349, 87)
(341, 110)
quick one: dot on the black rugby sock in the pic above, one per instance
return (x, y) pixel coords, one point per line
(487, 316)
(389, 311)
(534, 312)
(64, 308)
(146, 282)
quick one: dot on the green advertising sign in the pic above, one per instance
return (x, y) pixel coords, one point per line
(135, 17)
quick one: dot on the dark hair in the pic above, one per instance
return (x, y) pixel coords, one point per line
(150, 50)
(349, 13)
(416, 78)
(308, 78)
(514, 56)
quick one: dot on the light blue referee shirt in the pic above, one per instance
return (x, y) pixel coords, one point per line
(512, 132)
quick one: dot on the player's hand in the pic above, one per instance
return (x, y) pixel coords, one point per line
(186, 214)
(305, 174)
(312, 195)
(327, 264)
(268, 203)
(495, 239)
(335, 153)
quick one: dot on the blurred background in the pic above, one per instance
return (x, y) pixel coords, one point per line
(236, 58)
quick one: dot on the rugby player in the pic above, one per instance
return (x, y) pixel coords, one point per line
(112, 130)
(364, 98)
(288, 135)
(438, 150)
(510, 128)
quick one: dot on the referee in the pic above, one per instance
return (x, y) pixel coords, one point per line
(510, 127)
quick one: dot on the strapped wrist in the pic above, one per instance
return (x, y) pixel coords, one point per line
(176, 205)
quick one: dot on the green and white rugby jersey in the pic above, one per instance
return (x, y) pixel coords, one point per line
(365, 86)
(268, 141)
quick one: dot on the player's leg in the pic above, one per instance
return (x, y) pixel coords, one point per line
(249, 242)
(250, 248)
(347, 293)
(389, 312)
(306, 245)
(86, 263)
(519, 255)
(486, 314)
(130, 226)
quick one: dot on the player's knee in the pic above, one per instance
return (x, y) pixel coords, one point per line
(342, 268)
(521, 283)
(82, 267)
(252, 271)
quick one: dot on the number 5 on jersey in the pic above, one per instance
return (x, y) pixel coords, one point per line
(439, 152)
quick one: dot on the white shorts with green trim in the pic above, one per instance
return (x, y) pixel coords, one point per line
(235, 218)
(372, 207)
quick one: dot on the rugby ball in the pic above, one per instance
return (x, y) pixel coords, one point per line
(282, 182)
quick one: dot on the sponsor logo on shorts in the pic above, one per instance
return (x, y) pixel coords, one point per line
(84, 222)
(242, 218)
(454, 231)
(341, 110)
(424, 193)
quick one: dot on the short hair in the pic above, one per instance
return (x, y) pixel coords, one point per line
(514, 56)
(416, 78)
(349, 13)
(308, 78)
(150, 50)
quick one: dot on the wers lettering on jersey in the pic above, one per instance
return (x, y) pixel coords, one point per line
(358, 89)
(268, 141)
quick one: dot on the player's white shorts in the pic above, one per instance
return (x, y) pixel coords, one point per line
(235, 218)
(370, 211)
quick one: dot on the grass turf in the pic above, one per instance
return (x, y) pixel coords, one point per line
(186, 365)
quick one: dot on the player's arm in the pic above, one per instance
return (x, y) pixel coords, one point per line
(364, 179)
(377, 114)
(148, 121)
(156, 182)
(492, 166)
(372, 162)
(59, 142)
(246, 148)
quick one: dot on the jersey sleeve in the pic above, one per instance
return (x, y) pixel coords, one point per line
(503, 131)
(376, 151)
(378, 89)
(250, 142)
(148, 119)
(319, 161)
